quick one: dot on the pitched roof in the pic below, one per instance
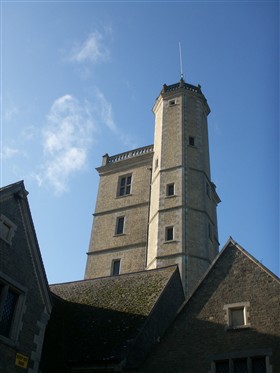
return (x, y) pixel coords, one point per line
(99, 319)
(124, 293)
(230, 244)
(17, 192)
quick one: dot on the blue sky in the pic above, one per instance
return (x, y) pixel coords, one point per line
(79, 79)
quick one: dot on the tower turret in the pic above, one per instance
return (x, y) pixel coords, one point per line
(183, 221)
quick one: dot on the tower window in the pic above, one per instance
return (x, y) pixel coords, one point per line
(169, 234)
(156, 164)
(116, 265)
(120, 225)
(170, 189)
(124, 185)
(191, 141)
(172, 102)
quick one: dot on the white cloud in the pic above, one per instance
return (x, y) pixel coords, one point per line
(68, 136)
(9, 152)
(66, 141)
(105, 109)
(93, 49)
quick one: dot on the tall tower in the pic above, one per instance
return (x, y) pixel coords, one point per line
(156, 205)
(182, 219)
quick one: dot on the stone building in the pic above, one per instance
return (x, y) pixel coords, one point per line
(230, 324)
(25, 304)
(156, 205)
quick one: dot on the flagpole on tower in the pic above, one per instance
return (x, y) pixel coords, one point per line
(181, 65)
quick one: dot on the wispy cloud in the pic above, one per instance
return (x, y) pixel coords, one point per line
(105, 110)
(66, 141)
(9, 152)
(107, 118)
(93, 49)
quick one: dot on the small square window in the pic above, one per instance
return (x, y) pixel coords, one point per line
(170, 189)
(120, 225)
(124, 185)
(172, 102)
(116, 265)
(169, 236)
(237, 315)
(191, 141)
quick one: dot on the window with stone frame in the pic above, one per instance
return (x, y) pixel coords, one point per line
(251, 364)
(120, 225)
(237, 315)
(170, 189)
(169, 233)
(116, 266)
(124, 185)
(10, 308)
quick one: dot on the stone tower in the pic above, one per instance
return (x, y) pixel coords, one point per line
(156, 205)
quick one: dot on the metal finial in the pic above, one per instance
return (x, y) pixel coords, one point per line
(181, 67)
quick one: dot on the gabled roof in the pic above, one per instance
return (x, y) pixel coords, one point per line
(230, 244)
(99, 319)
(16, 193)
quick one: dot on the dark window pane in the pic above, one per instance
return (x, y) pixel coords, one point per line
(258, 365)
(124, 186)
(191, 141)
(120, 225)
(222, 367)
(8, 313)
(240, 366)
(116, 267)
(237, 317)
(169, 234)
(170, 189)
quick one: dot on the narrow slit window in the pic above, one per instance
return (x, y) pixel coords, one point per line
(116, 265)
(169, 234)
(191, 141)
(120, 225)
(170, 189)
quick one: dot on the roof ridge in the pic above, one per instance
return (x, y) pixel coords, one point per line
(175, 266)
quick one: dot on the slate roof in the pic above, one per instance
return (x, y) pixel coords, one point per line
(100, 319)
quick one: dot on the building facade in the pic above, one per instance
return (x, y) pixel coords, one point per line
(230, 324)
(25, 304)
(156, 205)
